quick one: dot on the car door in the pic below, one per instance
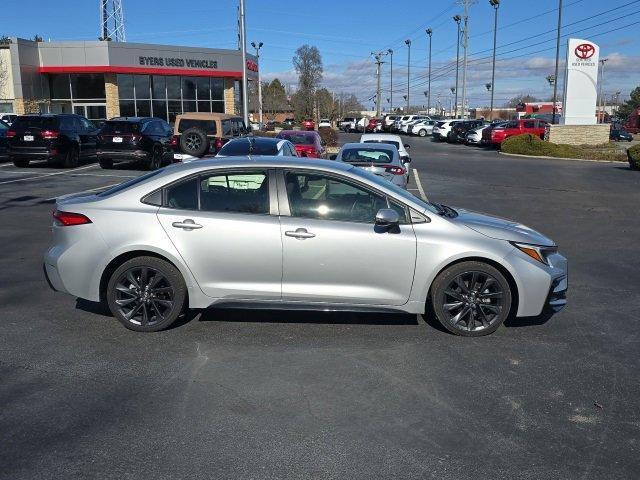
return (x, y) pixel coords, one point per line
(332, 250)
(226, 228)
(88, 133)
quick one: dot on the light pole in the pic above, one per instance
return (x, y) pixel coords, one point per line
(465, 47)
(378, 57)
(243, 48)
(600, 101)
(495, 4)
(390, 52)
(430, 33)
(258, 47)
(408, 42)
(555, 75)
(457, 19)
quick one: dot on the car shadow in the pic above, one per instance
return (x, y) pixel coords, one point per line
(516, 322)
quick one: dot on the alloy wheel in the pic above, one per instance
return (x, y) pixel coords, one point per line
(473, 301)
(193, 142)
(144, 296)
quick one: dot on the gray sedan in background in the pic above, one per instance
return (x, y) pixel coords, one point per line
(292, 233)
(379, 158)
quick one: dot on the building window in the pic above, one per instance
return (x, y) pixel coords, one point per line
(188, 88)
(59, 87)
(125, 86)
(88, 86)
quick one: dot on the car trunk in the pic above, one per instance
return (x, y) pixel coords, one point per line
(120, 136)
(34, 133)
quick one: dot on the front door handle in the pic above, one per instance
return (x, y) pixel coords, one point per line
(187, 224)
(299, 233)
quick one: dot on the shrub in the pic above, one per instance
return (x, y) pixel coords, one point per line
(633, 155)
(262, 133)
(329, 136)
(527, 144)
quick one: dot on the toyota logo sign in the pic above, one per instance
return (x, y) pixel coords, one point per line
(584, 51)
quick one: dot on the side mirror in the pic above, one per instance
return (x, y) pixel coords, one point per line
(387, 218)
(406, 145)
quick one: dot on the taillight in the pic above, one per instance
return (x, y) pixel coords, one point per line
(11, 133)
(395, 170)
(174, 141)
(49, 134)
(68, 219)
(218, 143)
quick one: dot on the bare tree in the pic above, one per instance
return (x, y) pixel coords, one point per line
(308, 64)
(524, 98)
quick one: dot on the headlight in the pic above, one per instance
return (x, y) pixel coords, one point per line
(536, 252)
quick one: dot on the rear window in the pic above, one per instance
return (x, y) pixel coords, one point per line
(298, 138)
(236, 148)
(42, 123)
(366, 155)
(208, 126)
(121, 127)
(388, 142)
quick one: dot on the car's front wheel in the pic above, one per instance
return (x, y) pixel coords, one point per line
(471, 298)
(422, 132)
(146, 294)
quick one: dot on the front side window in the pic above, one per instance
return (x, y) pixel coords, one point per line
(529, 124)
(324, 197)
(235, 192)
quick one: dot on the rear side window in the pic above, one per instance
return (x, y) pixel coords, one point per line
(183, 196)
(67, 123)
(208, 126)
(120, 127)
(235, 192)
(42, 123)
(226, 127)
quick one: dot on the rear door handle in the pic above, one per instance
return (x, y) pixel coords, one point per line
(187, 224)
(299, 233)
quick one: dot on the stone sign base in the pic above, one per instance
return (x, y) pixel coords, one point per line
(578, 134)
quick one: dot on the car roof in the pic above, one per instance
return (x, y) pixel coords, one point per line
(207, 115)
(380, 136)
(131, 119)
(299, 132)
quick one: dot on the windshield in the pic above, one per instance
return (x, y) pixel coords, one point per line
(367, 155)
(129, 183)
(298, 138)
(388, 142)
(236, 148)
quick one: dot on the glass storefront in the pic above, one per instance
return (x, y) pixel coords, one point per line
(167, 96)
(83, 94)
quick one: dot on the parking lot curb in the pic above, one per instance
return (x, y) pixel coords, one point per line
(561, 158)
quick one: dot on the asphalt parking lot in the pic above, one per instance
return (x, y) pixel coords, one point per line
(270, 395)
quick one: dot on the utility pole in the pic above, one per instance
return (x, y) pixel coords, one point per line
(429, 32)
(258, 46)
(555, 76)
(601, 102)
(378, 57)
(466, 4)
(390, 52)
(408, 42)
(457, 19)
(243, 47)
(495, 4)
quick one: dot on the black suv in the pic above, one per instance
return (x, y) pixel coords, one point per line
(127, 139)
(55, 138)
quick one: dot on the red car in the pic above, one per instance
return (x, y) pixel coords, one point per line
(499, 133)
(308, 124)
(308, 144)
(373, 125)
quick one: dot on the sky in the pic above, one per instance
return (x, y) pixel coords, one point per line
(347, 32)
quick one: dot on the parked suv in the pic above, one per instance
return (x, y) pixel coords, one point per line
(196, 134)
(388, 122)
(459, 130)
(499, 133)
(55, 138)
(126, 139)
(3, 140)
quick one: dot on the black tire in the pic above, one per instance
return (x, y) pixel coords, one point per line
(146, 309)
(194, 141)
(106, 163)
(422, 132)
(155, 162)
(471, 299)
(21, 162)
(72, 158)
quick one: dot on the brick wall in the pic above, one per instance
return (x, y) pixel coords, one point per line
(229, 99)
(22, 106)
(111, 92)
(578, 134)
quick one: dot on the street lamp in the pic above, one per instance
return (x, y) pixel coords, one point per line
(243, 50)
(390, 52)
(430, 33)
(600, 100)
(408, 43)
(489, 89)
(258, 47)
(555, 75)
(457, 19)
(495, 4)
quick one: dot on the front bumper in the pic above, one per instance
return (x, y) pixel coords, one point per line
(557, 298)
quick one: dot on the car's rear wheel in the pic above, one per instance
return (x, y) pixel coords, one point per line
(471, 298)
(21, 162)
(194, 141)
(156, 159)
(72, 158)
(106, 163)
(146, 294)
(422, 132)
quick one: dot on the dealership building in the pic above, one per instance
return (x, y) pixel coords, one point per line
(103, 79)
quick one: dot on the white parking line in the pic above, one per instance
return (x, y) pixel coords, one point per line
(83, 191)
(64, 172)
(419, 184)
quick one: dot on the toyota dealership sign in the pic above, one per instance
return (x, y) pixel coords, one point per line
(581, 83)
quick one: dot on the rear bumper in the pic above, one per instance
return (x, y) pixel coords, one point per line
(35, 154)
(53, 279)
(122, 155)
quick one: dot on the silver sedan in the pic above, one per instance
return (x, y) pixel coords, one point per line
(378, 158)
(290, 233)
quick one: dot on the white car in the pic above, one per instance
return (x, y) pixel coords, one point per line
(390, 139)
(405, 124)
(8, 118)
(388, 122)
(442, 129)
(324, 123)
(423, 128)
(474, 136)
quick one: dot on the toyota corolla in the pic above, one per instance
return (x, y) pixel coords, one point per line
(287, 233)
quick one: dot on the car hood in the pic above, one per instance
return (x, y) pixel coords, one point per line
(500, 228)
